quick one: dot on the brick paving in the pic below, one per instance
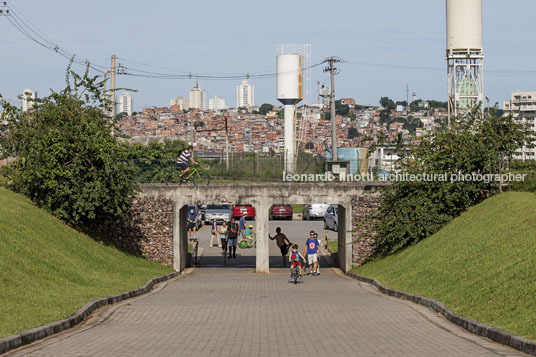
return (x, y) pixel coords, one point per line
(234, 312)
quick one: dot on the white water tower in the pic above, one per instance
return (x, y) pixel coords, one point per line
(465, 57)
(289, 93)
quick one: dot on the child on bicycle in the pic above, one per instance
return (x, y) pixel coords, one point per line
(296, 259)
(250, 235)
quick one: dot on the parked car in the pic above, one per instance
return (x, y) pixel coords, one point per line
(203, 209)
(281, 211)
(197, 211)
(331, 218)
(238, 211)
(315, 210)
(219, 212)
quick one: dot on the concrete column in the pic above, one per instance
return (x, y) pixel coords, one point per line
(263, 247)
(345, 236)
(180, 236)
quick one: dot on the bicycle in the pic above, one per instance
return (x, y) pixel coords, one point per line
(296, 276)
(195, 176)
(248, 242)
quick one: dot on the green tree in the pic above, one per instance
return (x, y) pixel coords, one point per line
(413, 210)
(385, 116)
(153, 162)
(67, 159)
(341, 109)
(352, 133)
(387, 103)
(265, 108)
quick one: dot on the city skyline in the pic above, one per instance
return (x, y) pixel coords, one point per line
(385, 50)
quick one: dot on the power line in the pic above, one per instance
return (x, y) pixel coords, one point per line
(28, 29)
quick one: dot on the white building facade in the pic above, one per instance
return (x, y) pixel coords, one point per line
(27, 96)
(216, 104)
(183, 103)
(125, 103)
(198, 98)
(245, 95)
(523, 106)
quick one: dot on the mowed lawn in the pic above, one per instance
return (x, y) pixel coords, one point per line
(482, 265)
(48, 270)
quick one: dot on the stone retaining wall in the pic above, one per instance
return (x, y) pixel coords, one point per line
(363, 243)
(147, 230)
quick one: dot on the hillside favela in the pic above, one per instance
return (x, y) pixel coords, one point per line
(240, 178)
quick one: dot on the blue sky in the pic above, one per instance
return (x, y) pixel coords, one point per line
(236, 37)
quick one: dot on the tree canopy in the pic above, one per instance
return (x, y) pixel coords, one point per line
(67, 159)
(413, 210)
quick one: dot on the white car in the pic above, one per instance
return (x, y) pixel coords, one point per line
(314, 211)
(331, 218)
(220, 213)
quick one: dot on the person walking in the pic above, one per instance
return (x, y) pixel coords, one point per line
(191, 220)
(232, 234)
(214, 235)
(223, 237)
(243, 224)
(319, 253)
(311, 249)
(281, 239)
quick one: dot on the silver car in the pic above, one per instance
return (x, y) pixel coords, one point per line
(331, 218)
(219, 212)
(314, 211)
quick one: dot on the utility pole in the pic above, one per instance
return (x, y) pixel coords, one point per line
(112, 86)
(332, 70)
(407, 99)
(226, 145)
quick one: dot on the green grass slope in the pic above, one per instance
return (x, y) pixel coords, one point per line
(48, 270)
(481, 265)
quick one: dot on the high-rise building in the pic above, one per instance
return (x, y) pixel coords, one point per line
(183, 103)
(216, 104)
(27, 96)
(198, 98)
(245, 95)
(125, 103)
(523, 106)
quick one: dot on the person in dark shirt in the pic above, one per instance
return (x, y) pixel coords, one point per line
(232, 234)
(280, 238)
(192, 220)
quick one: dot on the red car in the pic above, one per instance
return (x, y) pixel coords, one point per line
(281, 211)
(238, 211)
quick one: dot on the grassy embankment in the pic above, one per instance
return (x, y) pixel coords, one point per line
(481, 265)
(48, 270)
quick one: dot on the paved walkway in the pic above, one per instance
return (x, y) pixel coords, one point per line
(234, 312)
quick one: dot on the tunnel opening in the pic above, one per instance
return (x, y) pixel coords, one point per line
(256, 247)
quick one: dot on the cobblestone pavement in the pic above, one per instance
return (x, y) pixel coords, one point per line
(234, 312)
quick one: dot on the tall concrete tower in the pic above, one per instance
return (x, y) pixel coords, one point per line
(465, 56)
(289, 93)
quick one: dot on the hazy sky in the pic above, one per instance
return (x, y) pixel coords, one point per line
(236, 37)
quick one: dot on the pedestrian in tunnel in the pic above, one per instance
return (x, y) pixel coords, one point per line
(243, 224)
(214, 233)
(281, 239)
(223, 237)
(232, 234)
(192, 220)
